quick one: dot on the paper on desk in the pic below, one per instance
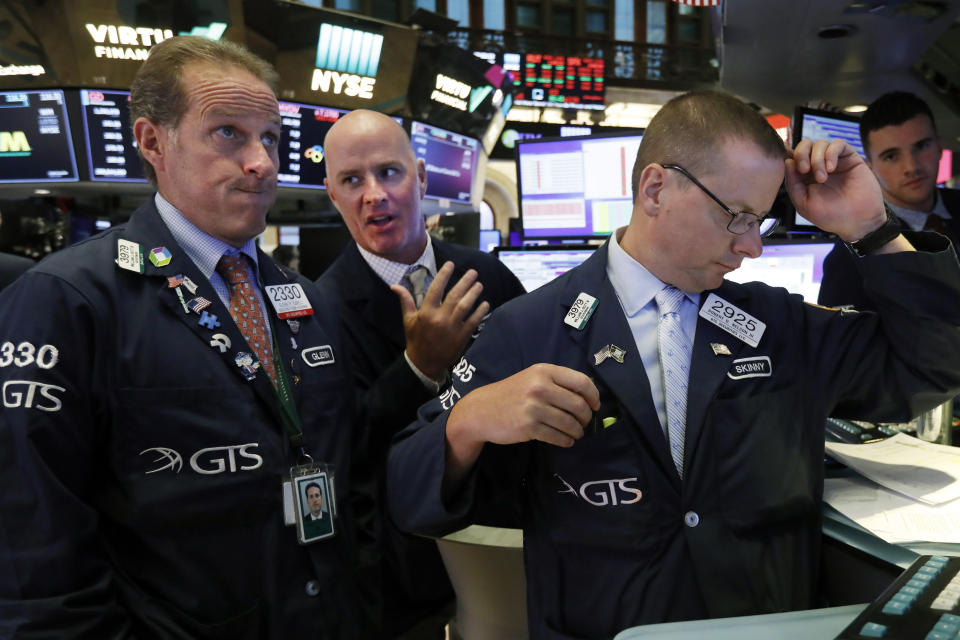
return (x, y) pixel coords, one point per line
(891, 516)
(921, 470)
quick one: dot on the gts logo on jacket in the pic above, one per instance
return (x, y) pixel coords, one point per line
(209, 461)
(604, 493)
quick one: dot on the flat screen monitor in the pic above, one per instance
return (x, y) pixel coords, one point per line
(537, 265)
(303, 129)
(111, 147)
(794, 265)
(35, 140)
(816, 124)
(450, 158)
(576, 187)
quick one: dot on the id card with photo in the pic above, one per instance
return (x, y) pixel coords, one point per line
(314, 502)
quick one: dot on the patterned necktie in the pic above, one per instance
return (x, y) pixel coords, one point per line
(246, 312)
(936, 223)
(675, 366)
(416, 282)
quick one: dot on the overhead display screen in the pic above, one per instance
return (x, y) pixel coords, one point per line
(111, 147)
(35, 143)
(545, 80)
(450, 158)
(301, 144)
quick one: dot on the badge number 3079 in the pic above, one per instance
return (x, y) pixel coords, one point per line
(289, 300)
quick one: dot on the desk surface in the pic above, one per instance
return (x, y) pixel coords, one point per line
(814, 624)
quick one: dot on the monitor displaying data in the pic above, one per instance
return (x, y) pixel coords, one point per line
(826, 125)
(545, 80)
(111, 147)
(536, 266)
(35, 142)
(304, 128)
(576, 187)
(450, 158)
(795, 266)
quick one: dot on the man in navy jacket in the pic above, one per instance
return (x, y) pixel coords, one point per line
(400, 354)
(654, 489)
(146, 449)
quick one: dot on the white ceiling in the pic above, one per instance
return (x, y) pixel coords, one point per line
(771, 54)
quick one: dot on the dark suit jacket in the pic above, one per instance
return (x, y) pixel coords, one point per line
(842, 284)
(414, 582)
(11, 266)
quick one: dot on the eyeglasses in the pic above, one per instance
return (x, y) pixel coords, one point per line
(740, 221)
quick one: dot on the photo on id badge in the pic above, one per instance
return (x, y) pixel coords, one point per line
(314, 518)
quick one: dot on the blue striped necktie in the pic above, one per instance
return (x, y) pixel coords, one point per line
(674, 349)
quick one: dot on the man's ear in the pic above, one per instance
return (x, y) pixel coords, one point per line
(650, 189)
(151, 140)
(422, 177)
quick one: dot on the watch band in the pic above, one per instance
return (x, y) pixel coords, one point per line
(880, 236)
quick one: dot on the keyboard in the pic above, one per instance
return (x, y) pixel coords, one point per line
(923, 603)
(837, 430)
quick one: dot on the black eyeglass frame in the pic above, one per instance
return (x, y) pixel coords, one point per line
(734, 215)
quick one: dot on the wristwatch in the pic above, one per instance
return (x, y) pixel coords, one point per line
(880, 236)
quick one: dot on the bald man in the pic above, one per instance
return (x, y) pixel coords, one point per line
(401, 354)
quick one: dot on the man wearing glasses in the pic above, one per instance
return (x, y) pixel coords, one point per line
(662, 428)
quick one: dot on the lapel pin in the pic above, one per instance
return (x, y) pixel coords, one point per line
(189, 284)
(209, 321)
(174, 281)
(720, 349)
(617, 353)
(183, 303)
(160, 256)
(247, 365)
(198, 304)
(601, 355)
(220, 341)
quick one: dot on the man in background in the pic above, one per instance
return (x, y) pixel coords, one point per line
(900, 138)
(408, 305)
(158, 403)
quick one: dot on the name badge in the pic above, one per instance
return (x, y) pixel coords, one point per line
(758, 367)
(129, 256)
(580, 311)
(733, 320)
(318, 356)
(289, 300)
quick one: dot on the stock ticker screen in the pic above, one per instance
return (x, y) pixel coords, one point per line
(111, 147)
(35, 142)
(544, 80)
(450, 159)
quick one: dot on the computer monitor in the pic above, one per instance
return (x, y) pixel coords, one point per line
(817, 124)
(576, 187)
(794, 265)
(111, 148)
(303, 129)
(35, 139)
(537, 265)
(450, 158)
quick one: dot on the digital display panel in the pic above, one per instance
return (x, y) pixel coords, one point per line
(35, 142)
(576, 186)
(795, 266)
(827, 125)
(111, 147)
(536, 266)
(304, 128)
(450, 158)
(544, 80)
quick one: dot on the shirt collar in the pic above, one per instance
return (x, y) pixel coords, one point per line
(917, 219)
(634, 285)
(200, 246)
(392, 272)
